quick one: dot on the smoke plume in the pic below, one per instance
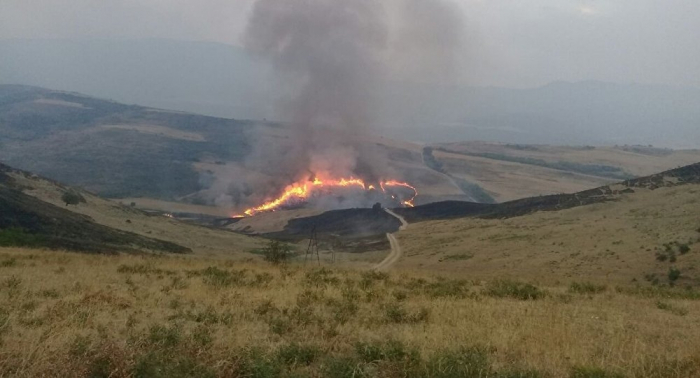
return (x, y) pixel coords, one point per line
(331, 58)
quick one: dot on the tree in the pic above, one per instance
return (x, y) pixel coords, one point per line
(72, 198)
(276, 252)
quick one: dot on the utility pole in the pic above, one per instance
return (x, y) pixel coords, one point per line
(313, 247)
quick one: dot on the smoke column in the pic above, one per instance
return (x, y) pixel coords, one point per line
(331, 58)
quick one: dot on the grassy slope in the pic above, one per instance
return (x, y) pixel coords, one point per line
(125, 316)
(509, 172)
(113, 149)
(111, 214)
(28, 221)
(614, 242)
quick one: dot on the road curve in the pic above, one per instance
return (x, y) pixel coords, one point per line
(396, 253)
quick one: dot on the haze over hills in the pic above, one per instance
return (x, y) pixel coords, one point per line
(223, 80)
(181, 162)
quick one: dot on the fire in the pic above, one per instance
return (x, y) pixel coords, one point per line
(302, 191)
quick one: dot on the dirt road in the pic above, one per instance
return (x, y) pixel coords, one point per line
(395, 254)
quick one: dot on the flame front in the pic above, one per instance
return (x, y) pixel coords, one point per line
(299, 192)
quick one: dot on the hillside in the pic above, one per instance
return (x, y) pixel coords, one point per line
(513, 171)
(159, 158)
(30, 222)
(187, 163)
(637, 231)
(33, 205)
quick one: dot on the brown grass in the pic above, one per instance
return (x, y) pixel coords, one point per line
(65, 314)
(611, 243)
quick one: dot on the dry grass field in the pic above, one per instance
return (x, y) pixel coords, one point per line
(639, 237)
(509, 172)
(72, 315)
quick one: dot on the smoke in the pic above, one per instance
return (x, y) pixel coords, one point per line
(331, 58)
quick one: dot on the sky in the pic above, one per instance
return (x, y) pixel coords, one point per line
(511, 43)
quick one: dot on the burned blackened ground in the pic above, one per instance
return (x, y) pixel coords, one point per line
(351, 230)
(365, 223)
(27, 221)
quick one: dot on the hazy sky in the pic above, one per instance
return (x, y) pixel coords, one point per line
(511, 42)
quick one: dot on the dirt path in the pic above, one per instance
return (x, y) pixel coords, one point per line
(396, 253)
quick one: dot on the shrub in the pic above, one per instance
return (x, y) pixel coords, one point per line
(139, 269)
(321, 277)
(72, 198)
(448, 288)
(8, 263)
(202, 335)
(673, 275)
(593, 372)
(586, 288)
(163, 336)
(395, 313)
(18, 237)
(683, 249)
(165, 365)
(342, 367)
(394, 351)
(296, 354)
(222, 278)
(672, 309)
(400, 295)
(513, 289)
(468, 362)
(661, 257)
(276, 252)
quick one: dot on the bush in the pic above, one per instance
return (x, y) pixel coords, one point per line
(683, 249)
(468, 362)
(448, 288)
(586, 288)
(165, 365)
(163, 336)
(342, 367)
(222, 278)
(671, 308)
(513, 289)
(593, 372)
(673, 275)
(296, 354)
(72, 198)
(395, 313)
(17, 237)
(391, 351)
(276, 252)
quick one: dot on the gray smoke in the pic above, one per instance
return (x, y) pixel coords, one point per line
(331, 58)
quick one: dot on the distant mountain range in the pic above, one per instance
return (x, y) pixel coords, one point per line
(225, 81)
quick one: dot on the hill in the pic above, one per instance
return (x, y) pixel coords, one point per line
(144, 154)
(186, 163)
(27, 221)
(513, 171)
(224, 81)
(34, 214)
(644, 230)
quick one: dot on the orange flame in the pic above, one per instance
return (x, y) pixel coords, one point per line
(303, 190)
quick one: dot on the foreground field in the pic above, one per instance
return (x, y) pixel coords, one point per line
(76, 315)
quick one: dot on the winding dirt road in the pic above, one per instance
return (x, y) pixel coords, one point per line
(396, 253)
